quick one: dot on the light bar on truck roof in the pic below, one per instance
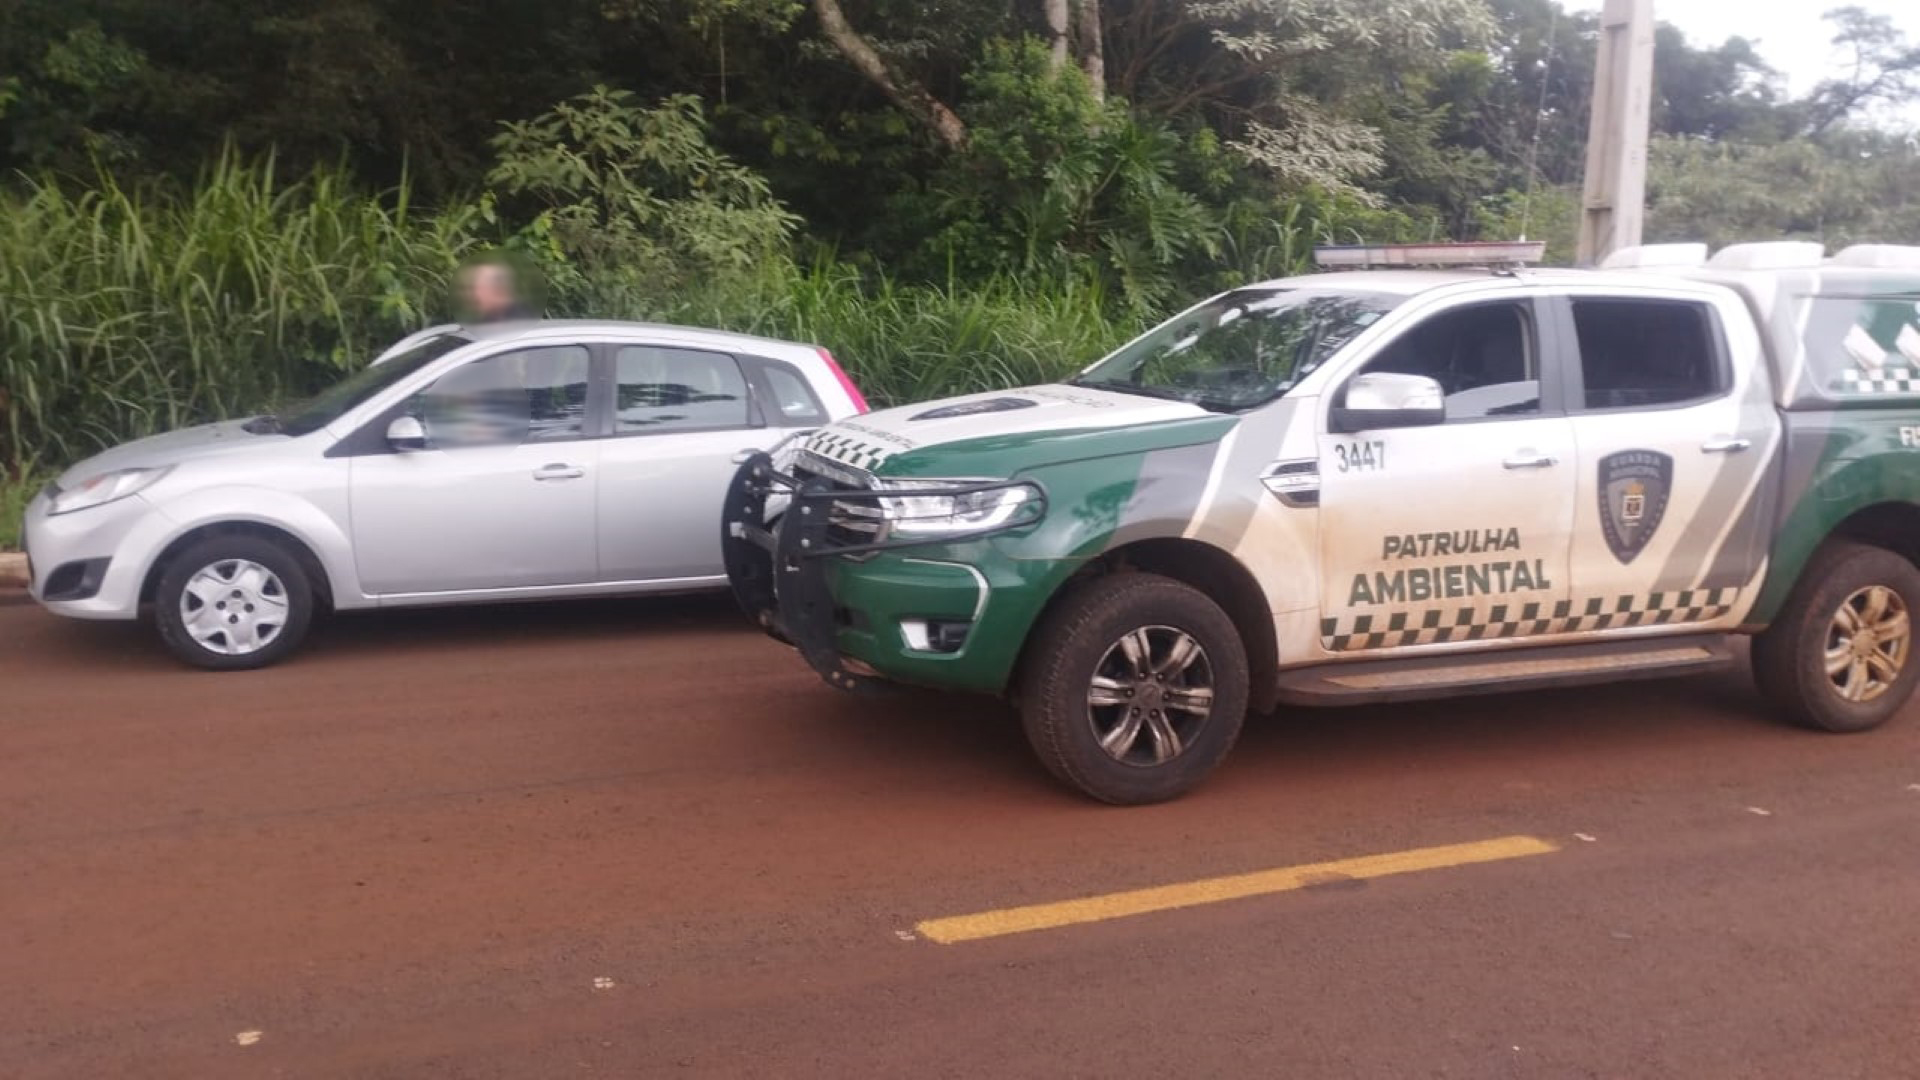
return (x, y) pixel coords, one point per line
(1365, 256)
(1878, 256)
(1769, 255)
(1648, 256)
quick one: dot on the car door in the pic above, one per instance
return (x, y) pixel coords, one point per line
(677, 418)
(501, 497)
(1435, 535)
(1673, 444)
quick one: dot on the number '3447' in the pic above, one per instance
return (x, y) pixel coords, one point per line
(1360, 456)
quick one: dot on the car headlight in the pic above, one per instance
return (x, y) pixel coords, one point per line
(103, 489)
(972, 507)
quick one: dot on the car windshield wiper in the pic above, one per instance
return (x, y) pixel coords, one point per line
(264, 424)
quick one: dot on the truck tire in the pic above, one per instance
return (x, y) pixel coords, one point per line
(232, 603)
(1839, 656)
(1133, 688)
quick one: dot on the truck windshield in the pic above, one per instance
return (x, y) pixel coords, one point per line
(334, 402)
(1241, 349)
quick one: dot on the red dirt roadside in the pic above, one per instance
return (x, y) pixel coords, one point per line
(641, 840)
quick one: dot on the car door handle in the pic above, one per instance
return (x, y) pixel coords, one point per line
(1726, 444)
(559, 471)
(1528, 459)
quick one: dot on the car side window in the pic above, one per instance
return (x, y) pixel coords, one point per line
(790, 396)
(1641, 353)
(1483, 356)
(657, 388)
(524, 396)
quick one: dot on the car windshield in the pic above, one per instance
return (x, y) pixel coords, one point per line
(1241, 349)
(334, 402)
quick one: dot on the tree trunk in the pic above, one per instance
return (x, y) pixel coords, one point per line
(1093, 49)
(1057, 32)
(902, 89)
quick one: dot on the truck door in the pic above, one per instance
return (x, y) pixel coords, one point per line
(1453, 532)
(1674, 441)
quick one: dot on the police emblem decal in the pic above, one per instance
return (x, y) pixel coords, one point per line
(1633, 498)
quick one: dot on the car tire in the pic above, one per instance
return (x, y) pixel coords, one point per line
(271, 598)
(1115, 677)
(1839, 656)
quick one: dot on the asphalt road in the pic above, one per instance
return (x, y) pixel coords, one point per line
(637, 839)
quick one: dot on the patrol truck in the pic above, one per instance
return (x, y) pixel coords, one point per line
(1382, 484)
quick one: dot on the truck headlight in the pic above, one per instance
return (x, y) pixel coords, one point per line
(971, 507)
(105, 488)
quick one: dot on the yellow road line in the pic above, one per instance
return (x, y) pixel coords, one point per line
(1019, 920)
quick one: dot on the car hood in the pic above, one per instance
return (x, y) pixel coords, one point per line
(912, 435)
(171, 448)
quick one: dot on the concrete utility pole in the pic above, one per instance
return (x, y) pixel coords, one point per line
(1616, 182)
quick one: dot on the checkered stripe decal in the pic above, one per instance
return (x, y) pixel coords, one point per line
(1887, 380)
(1504, 620)
(835, 446)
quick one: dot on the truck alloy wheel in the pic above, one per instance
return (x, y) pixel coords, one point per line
(1150, 695)
(1867, 643)
(1134, 687)
(1838, 655)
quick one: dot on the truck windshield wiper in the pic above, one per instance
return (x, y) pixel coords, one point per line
(1170, 393)
(264, 424)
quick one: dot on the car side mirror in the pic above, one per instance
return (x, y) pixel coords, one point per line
(1383, 399)
(406, 434)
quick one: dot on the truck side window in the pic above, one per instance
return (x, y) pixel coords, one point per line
(1482, 355)
(1639, 353)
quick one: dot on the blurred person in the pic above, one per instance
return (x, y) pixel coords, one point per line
(490, 290)
(483, 404)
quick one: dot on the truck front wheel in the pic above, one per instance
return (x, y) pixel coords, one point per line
(1840, 655)
(1134, 688)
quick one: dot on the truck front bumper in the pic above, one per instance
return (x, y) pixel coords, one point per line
(949, 612)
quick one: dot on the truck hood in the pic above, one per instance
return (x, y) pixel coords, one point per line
(903, 436)
(171, 448)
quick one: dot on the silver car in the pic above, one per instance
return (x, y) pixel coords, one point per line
(515, 461)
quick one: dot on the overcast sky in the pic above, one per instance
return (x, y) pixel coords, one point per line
(1789, 34)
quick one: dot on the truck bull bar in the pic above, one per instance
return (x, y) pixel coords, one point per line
(778, 570)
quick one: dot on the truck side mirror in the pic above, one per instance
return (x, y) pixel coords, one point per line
(1382, 399)
(406, 434)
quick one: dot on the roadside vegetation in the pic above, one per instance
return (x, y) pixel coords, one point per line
(208, 212)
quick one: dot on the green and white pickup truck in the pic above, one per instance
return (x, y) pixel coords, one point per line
(1378, 485)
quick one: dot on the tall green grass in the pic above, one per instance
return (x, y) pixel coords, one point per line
(15, 493)
(905, 343)
(124, 312)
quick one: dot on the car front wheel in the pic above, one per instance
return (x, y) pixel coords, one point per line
(230, 603)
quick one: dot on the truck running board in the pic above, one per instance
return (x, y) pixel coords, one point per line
(1459, 674)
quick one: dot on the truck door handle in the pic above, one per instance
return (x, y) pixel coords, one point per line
(1529, 459)
(559, 471)
(1726, 444)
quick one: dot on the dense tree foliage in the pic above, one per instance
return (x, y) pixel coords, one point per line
(1417, 116)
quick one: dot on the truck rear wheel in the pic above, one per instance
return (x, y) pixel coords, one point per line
(1134, 688)
(1840, 655)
